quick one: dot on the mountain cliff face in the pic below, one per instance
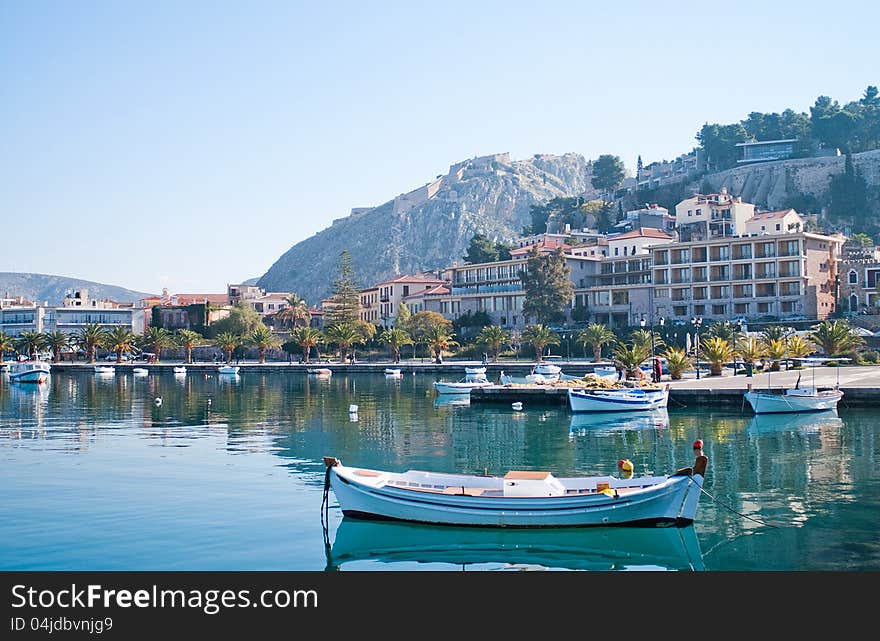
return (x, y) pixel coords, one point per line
(430, 228)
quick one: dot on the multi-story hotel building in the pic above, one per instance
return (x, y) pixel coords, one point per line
(380, 304)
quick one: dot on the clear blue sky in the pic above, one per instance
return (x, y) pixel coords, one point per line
(189, 144)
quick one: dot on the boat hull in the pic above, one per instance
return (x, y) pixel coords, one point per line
(612, 401)
(763, 403)
(670, 502)
(29, 372)
(228, 370)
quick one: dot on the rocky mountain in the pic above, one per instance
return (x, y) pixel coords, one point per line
(430, 227)
(42, 288)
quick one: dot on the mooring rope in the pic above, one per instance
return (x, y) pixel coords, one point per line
(325, 510)
(724, 505)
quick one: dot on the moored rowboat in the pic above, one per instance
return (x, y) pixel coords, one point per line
(518, 499)
(617, 400)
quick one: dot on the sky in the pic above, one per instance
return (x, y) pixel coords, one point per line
(188, 145)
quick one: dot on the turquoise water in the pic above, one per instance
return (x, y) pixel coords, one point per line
(227, 474)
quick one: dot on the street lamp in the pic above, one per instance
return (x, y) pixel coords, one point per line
(697, 321)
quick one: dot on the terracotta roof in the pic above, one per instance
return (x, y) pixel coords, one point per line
(191, 299)
(769, 215)
(642, 232)
(551, 244)
(439, 289)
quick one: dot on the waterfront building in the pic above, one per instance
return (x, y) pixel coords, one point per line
(705, 216)
(23, 316)
(859, 282)
(380, 304)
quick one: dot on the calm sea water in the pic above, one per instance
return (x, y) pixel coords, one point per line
(227, 474)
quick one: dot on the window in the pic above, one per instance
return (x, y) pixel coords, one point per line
(778, 226)
(853, 277)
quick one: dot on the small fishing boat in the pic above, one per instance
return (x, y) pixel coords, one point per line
(179, 370)
(359, 542)
(228, 369)
(547, 369)
(608, 372)
(517, 499)
(393, 372)
(464, 386)
(29, 371)
(617, 400)
(105, 370)
(796, 399)
(140, 371)
(474, 370)
(319, 371)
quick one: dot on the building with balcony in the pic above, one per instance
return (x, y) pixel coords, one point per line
(381, 304)
(706, 216)
(766, 150)
(22, 317)
(783, 221)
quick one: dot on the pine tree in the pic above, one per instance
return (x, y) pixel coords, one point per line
(547, 286)
(345, 301)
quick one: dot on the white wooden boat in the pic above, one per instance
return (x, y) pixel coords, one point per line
(547, 369)
(801, 399)
(319, 371)
(179, 369)
(393, 372)
(29, 371)
(617, 400)
(105, 370)
(608, 372)
(518, 499)
(140, 371)
(228, 369)
(530, 379)
(797, 399)
(393, 543)
(464, 386)
(474, 370)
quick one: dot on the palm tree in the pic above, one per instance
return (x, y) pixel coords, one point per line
(395, 338)
(262, 338)
(439, 337)
(7, 344)
(799, 348)
(731, 332)
(630, 356)
(158, 338)
(751, 350)
(90, 337)
(596, 336)
(677, 361)
(188, 339)
(343, 335)
(717, 351)
(493, 337)
(645, 336)
(775, 332)
(227, 341)
(540, 336)
(306, 338)
(296, 314)
(120, 340)
(777, 349)
(57, 341)
(835, 337)
(30, 343)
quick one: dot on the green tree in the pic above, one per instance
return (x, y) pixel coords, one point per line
(596, 336)
(306, 338)
(439, 337)
(403, 317)
(539, 337)
(344, 336)
(242, 320)
(835, 337)
(57, 341)
(677, 362)
(481, 249)
(227, 342)
(547, 286)
(731, 332)
(719, 144)
(188, 339)
(344, 303)
(849, 195)
(422, 322)
(395, 338)
(120, 340)
(750, 350)
(30, 343)
(630, 357)
(89, 338)
(608, 174)
(157, 339)
(263, 339)
(295, 314)
(717, 351)
(645, 336)
(776, 350)
(860, 240)
(7, 344)
(494, 337)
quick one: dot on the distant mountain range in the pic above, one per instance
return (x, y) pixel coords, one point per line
(45, 288)
(430, 227)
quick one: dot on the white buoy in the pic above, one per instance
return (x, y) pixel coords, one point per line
(516, 406)
(209, 401)
(158, 400)
(352, 409)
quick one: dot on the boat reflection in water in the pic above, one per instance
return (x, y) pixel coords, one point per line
(442, 400)
(604, 422)
(386, 545)
(793, 422)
